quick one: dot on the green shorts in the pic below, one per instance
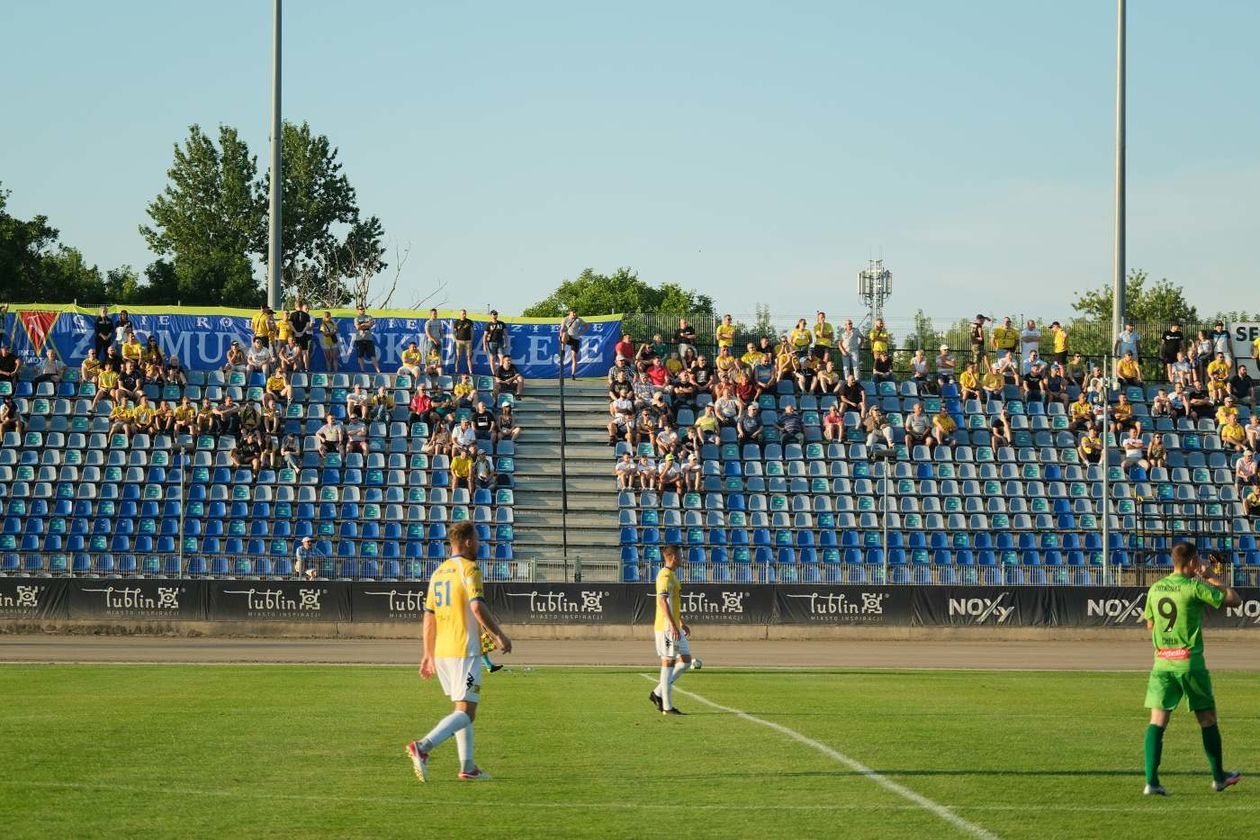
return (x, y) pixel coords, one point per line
(1165, 689)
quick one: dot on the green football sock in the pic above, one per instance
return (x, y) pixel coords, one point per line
(1154, 749)
(1212, 746)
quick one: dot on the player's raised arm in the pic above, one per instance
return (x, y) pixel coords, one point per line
(1206, 574)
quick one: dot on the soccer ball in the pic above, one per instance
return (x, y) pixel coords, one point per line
(696, 664)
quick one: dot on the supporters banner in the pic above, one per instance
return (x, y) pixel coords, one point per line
(387, 601)
(560, 603)
(844, 605)
(33, 598)
(279, 600)
(985, 606)
(138, 599)
(710, 603)
(201, 337)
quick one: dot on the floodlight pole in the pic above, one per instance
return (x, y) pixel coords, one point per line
(273, 219)
(1106, 481)
(1118, 281)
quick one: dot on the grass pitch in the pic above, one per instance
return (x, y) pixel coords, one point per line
(280, 751)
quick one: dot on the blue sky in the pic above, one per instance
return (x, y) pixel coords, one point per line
(757, 152)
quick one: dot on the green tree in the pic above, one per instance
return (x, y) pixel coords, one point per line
(330, 253)
(925, 335)
(207, 218)
(621, 292)
(1159, 303)
(24, 249)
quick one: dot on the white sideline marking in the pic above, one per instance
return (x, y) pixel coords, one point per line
(856, 766)
(411, 802)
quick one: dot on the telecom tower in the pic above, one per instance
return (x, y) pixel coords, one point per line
(874, 287)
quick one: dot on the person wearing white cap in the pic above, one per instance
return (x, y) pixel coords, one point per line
(305, 561)
(946, 366)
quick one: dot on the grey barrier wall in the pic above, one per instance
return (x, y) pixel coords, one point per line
(139, 599)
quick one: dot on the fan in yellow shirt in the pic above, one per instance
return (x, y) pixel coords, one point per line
(800, 338)
(824, 336)
(879, 337)
(725, 333)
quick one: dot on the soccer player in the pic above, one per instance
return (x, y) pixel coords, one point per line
(671, 633)
(454, 610)
(1174, 614)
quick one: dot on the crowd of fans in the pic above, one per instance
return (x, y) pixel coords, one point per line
(651, 381)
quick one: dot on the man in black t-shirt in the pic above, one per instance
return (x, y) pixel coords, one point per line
(300, 322)
(103, 333)
(509, 378)
(483, 422)
(1171, 343)
(10, 364)
(463, 330)
(685, 338)
(852, 395)
(494, 340)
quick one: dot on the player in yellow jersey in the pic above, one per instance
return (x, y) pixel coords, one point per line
(454, 614)
(671, 633)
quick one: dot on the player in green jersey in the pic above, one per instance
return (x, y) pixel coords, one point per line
(1174, 615)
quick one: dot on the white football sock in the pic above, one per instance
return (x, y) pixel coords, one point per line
(464, 744)
(680, 668)
(446, 727)
(663, 688)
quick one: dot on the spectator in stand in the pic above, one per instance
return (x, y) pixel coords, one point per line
(1233, 436)
(1090, 448)
(420, 408)
(381, 408)
(247, 454)
(464, 437)
(745, 388)
(667, 441)
(880, 338)
(462, 329)
(121, 417)
(659, 348)
(1251, 502)
(572, 328)
(357, 403)
(705, 429)
(249, 418)
(1060, 341)
(1171, 345)
(645, 429)
(272, 422)
(1242, 387)
(1200, 355)
(1121, 415)
(703, 375)
(305, 560)
(1156, 453)
(827, 380)
(943, 428)
(1075, 371)
(130, 383)
(1255, 350)
(643, 391)
(277, 391)
(1096, 387)
(464, 393)
(103, 333)
(727, 406)
(329, 342)
(646, 356)
(51, 369)
(106, 380)
(1134, 449)
(1008, 368)
(1000, 430)
(174, 372)
(918, 428)
(1221, 342)
(624, 349)
(132, 350)
(791, 427)
(621, 420)
(163, 418)
(412, 362)
(626, 471)
(919, 371)
(1128, 342)
(850, 350)
(494, 340)
(824, 338)
(331, 437)
(1218, 375)
(1245, 472)
(365, 339)
(10, 417)
(852, 395)
(1005, 339)
(439, 441)
(1034, 378)
(724, 333)
(658, 374)
(946, 366)
(763, 375)
(691, 471)
(833, 424)
(785, 366)
(288, 354)
(647, 473)
(1080, 413)
(207, 421)
(1029, 340)
(800, 339)
(184, 418)
(483, 423)
(259, 359)
(882, 368)
(685, 390)
(1253, 432)
(748, 428)
(508, 429)
(1161, 405)
(1056, 386)
(876, 426)
(806, 374)
(674, 364)
(432, 335)
(483, 472)
(1128, 371)
(969, 383)
(91, 367)
(357, 436)
(669, 476)
(302, 329)
(461, 468)
(976, 339)
(433, 362)
(685, 338)
(263, 325)
(151, 353)
(1181, 370)
(659, 408)
(991, 384)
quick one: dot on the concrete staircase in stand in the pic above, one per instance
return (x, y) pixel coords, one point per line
(592, 491)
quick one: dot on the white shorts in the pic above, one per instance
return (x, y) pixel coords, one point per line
(460, 678)
(667, 648)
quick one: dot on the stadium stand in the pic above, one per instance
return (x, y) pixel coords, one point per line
(78, 500)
